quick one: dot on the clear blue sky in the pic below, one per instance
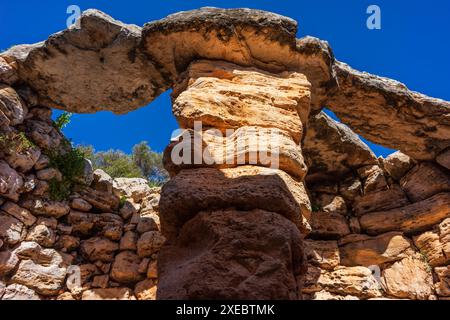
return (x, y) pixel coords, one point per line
(413, 47)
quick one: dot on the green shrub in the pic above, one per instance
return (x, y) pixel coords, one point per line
(71, 165)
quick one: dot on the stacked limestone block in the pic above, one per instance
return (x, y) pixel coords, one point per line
(233, 227)
(381, 232)
(99, 243)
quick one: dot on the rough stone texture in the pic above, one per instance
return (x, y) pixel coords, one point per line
(10, 182)
(19, 292)
(418, 125)
(386, 199)
(344, 281)
(247, 145)
(256, 73)
(226, 96)
(263, 252)
(361, 250)
(47, 208)
(11, 230)
(244, 188)
(12, 108)
(134, 188)
(108, 294)
(327, 225)
(435, 245)
(412, 218)
(332, 148)
(99, 249)
(444, 159)
(324, 254)
(443, 285)
(397, 165)
(19, 213)
(409, 278)
(40, 269)
(424, 181)
(105, 51)
(125, 268)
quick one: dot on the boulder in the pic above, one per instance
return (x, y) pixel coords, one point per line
(397, 165)
(266, 147)
(146, 290)
(19, 213)
(444, 159)
(278, 101)
(260, 255)
(46, 208)
(17, 291)
(328, 226)
(443, 285)
(150, 243)
(12, 109)
(385, 199)
(12, 231)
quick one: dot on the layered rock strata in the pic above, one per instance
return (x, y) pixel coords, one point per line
(213, 212)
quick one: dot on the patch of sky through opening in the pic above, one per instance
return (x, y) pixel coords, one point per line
(376, 148)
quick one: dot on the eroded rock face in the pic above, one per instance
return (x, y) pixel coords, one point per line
(104, 51)
(259, 266)
(244, 187)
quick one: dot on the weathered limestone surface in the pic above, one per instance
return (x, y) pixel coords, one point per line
(385, 112)
(331, 147)
(254, 264)
(247, 145)
(243, 188)
(226, 96)
(234, 230)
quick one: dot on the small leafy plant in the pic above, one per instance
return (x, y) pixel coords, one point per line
(63, 120)
(71, 165)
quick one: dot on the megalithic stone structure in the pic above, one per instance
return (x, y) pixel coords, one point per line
(234, 224)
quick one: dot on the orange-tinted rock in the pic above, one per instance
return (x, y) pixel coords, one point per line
(243, 188)
(260, 255)
(412, 218)
(435, 245)
(425, 180)
(361, 250)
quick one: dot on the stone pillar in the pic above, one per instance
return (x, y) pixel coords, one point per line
(236, 206)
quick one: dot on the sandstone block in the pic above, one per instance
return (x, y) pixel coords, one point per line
(409, 278)
(412, 218)
(425, 180)
(267, 147)
(361, 250)
(260, 255)
(244, 188)
(435, 245)
(214, 96)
